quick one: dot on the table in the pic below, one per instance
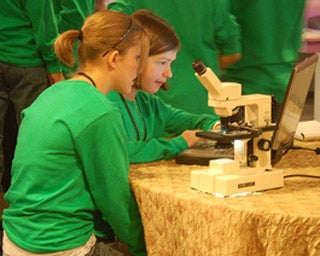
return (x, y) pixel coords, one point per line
(180, 221)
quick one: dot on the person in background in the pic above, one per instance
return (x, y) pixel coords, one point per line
(146, 117)
(28, 65)
(72, 166)
(207, 31)
(71, 14)
(271, 35)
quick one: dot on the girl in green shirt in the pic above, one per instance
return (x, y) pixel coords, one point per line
(72, 166)
(147, 119)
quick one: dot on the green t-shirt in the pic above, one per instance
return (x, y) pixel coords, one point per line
(70, 165)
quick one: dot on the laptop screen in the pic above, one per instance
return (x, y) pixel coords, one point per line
(292, 107)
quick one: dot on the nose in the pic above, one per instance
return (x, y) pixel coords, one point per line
(167, 72)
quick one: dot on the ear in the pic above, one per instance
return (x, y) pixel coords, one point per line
(112, 58)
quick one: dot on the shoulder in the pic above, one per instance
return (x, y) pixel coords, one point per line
(81, 95)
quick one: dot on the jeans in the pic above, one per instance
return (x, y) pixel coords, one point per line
(19, 86)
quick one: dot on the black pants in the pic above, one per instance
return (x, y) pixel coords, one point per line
(19, 87)
(9, 144)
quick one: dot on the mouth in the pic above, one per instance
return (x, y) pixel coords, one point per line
(159, 83)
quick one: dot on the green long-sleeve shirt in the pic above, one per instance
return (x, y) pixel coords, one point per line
(206, 29)
(28, 29)
(70, 164)
(72, 13)
(271, 34)
(152, 120)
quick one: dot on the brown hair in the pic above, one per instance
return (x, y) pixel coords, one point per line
(101, 32)
(162, 36)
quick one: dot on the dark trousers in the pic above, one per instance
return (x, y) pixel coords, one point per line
(19, 87)
(9, 144)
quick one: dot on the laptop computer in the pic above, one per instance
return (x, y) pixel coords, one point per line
(292, 107)
(284, 130)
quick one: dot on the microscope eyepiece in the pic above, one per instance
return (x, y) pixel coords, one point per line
(199, 67)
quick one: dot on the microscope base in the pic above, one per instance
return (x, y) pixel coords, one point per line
(245, 180)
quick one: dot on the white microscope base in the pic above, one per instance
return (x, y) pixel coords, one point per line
(247, 180)
(237, 183)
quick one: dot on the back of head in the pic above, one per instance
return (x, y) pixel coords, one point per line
(162, 36)
(101, 32)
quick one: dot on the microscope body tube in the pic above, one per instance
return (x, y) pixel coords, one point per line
(207, 78)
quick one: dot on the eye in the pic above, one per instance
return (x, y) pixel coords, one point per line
(162, 63)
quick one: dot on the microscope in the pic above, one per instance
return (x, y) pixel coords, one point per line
(246, 122)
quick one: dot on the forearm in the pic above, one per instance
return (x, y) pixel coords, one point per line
(155, 149)
(227, 60)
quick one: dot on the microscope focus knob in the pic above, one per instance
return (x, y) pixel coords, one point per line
(253, 158)
(264, 144)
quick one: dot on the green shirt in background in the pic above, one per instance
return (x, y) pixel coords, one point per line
(152, 121)
(28, 29)
(271, 32)
(72, 13)
(68, 169)
(205, 29)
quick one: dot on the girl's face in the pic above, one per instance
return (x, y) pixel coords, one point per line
(157, 71)
(127, 70)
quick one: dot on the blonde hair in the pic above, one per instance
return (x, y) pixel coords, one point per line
(162, 36)
(101, 32)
